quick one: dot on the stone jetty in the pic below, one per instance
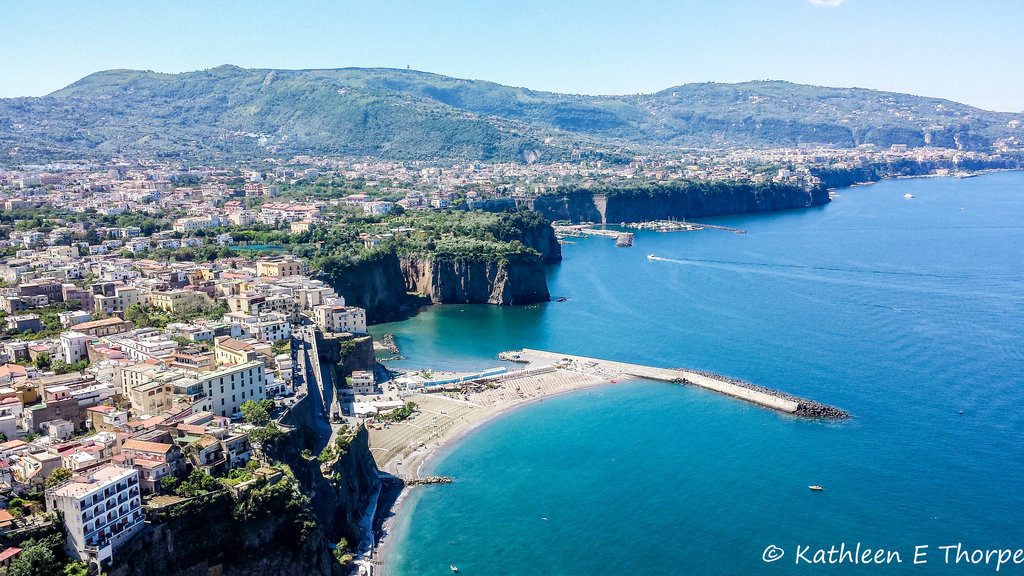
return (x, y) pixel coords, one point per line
(759, 395)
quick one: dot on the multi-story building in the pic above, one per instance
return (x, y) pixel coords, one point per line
(74, 346)
(101, 511)
(193, 359)
(175, 300)
(119, 301)
(187, 225)
(271, 327)
(362, 382)
(153, 460)
(225, 389)
(279, 267)
(340, 318)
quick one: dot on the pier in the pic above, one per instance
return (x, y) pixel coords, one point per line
(664, 226)
(674, 226)
(622, 239)
(759, 395)
(726, 228)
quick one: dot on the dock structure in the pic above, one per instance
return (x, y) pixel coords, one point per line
(759, 395)
(622, 239)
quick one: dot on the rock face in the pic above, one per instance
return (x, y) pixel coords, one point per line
(543, 240)
(340, 496)
(268, 533)
(203, 536)
(375, 284)
(514, 281)
(381, 283)
(674, 202)
(346, 353)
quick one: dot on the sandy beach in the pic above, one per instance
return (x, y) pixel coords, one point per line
(442, 418)
(403, 448)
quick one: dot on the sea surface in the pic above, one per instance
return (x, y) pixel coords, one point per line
(902, 311)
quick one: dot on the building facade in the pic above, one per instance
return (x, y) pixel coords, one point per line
(101, 511)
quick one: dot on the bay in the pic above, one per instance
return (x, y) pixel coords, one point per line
(902, 311)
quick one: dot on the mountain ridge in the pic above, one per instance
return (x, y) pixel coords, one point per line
(228, 112)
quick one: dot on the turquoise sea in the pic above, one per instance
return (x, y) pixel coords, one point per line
(901, 311)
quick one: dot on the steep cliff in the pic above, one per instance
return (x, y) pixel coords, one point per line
(464, 280)
(675, 201)
(278, 528)
(374, 283)
(478, 258)
(346, 353)
(268, 532)
(340, 496)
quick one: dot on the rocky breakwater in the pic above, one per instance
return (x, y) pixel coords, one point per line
(804, 407)
(515, 279)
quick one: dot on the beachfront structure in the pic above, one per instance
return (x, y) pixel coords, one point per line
(101, 510)
(362, 382)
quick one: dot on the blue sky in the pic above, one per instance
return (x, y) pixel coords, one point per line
(966, 51)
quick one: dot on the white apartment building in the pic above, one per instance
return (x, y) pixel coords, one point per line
(101, 510)
(339, 318)
(225, 389)
(74, 346)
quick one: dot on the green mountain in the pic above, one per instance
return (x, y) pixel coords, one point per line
(231, 113)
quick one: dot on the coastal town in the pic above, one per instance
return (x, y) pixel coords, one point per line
(296, 191)
(151, 341)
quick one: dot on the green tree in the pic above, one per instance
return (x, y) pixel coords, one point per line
(138, 316)
(75, 568)
(58, 476)
(197, 483)
(168, 483)
(266, 435)
(43, 361)
(254, 413)
(36, 559)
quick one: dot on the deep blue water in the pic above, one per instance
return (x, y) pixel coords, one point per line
(901, 311)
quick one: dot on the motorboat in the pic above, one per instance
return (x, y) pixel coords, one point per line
(816, 488)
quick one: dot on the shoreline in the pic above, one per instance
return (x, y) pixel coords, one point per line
(414, 462)
(553, 374)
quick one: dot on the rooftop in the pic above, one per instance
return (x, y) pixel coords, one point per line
(101, 477)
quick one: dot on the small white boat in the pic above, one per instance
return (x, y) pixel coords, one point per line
(454, 568)
(908, 195)
(816, 488)
(650, 256)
